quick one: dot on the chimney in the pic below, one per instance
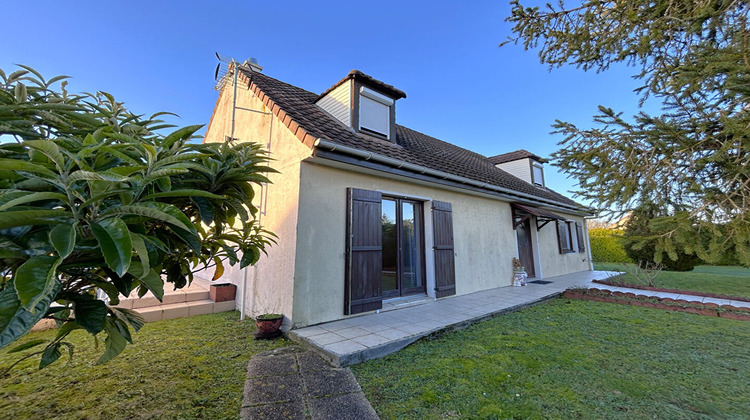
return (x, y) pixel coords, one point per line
(252, 63)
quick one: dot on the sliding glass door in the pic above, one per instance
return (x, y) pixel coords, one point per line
(403, 249)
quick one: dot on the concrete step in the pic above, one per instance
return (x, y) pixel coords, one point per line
(170, 297)
(183, 309)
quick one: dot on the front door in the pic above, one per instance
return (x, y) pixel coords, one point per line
(403, 250)
(525, 251)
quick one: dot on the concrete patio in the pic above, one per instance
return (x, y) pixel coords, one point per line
(402, 322)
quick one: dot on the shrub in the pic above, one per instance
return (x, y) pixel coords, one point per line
(92, 197)
(606, 246)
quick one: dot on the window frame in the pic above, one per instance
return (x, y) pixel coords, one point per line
(535, 165)
(569, 246)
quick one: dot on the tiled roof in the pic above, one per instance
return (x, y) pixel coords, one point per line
(511, 156)
(296, 108)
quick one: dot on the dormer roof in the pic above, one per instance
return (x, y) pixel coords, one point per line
(366, 80)
(517, 155)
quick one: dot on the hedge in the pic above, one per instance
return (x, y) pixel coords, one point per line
(606, 246)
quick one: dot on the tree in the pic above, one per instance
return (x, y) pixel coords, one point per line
(640, 244)
(693, 161)
(93, 198)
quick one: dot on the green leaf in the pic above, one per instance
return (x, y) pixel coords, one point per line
(20, 92)
(139, 245)
(35, 279)
(15, 321)
(90, 314)
(63, 238)
(35, 196)
(159, 211)
(49, 149)
(181, 134)
(114, 238)
(130, 317)
(184, 193)
(24, 166)
(50, 355)
(9, 219)
(114, 344)
(66, 328)
(154, 283)
(27, 345)
(249, 257)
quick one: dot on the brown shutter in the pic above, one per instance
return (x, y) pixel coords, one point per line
(579, 236)
(561, 245)
(364, 252)
(445, 271)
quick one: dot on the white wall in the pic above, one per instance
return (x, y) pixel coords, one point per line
(519, 168)
(338, 103)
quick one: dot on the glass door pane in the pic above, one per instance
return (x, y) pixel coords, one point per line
(390, 248)
(410, 246)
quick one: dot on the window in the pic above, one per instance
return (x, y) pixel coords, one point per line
(374, 112)
(537, 174)
(579, 237)
(564, 236)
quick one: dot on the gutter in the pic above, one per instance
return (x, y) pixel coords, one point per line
(423, 170)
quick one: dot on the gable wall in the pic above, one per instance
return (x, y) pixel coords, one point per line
(270, 282)
(519, 168)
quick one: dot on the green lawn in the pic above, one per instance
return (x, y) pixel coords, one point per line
(733, 281)
(183, 368)
(570, 359)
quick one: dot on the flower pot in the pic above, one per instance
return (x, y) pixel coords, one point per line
(222, 292)
(268, 326)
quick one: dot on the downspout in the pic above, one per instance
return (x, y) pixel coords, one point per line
(401, 164)
(234, 100)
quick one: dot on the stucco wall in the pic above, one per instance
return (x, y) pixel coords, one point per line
(555, 264)
(271, 281)
(484, 239)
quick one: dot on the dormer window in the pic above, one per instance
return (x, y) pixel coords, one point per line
(537, 174)
(374, 112)
(364, 104)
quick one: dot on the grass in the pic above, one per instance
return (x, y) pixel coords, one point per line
(732, 281)
(570, 359)
(178, 369)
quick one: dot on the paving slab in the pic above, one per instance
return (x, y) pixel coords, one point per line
(294, 383)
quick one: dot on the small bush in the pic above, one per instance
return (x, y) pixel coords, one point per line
(606, 246)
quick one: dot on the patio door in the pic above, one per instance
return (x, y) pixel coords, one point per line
(403, 249)
(525, 251)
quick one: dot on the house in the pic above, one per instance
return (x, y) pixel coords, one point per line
(369, 212)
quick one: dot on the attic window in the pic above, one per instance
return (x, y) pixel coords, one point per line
(537, 174)
(374, 112)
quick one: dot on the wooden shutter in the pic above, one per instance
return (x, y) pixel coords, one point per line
(364, 252)
(561, 226)
(445, 270)
(579, 237)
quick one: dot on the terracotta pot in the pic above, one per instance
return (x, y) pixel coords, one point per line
(269, 327)
(222, 292)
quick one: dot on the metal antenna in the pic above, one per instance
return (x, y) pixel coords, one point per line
(222, 69)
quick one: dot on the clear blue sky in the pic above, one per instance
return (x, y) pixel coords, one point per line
(462, 88)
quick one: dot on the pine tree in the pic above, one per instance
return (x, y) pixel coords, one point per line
(692, 161)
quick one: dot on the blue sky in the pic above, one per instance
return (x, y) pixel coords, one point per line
(462, 88)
